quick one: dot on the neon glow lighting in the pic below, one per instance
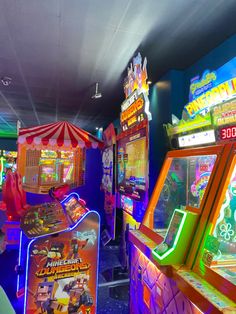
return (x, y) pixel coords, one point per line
(1, 169)
(205, 137)
(228, 133)
(161, 257)
(19, 263)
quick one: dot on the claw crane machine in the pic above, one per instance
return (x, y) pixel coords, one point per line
(183, 257)
(132, 150)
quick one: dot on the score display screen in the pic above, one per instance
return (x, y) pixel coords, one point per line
(228, 133)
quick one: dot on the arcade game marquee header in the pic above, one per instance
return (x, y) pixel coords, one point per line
(187, 241)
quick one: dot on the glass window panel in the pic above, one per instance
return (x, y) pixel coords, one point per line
(224, 261)
(185, 184)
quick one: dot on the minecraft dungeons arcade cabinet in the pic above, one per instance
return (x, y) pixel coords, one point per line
(62, 242)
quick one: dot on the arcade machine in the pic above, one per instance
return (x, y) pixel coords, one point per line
(53, 154)
(58, 259)
(7, 162)
(183, 255)
(108, 183)
(132, 150)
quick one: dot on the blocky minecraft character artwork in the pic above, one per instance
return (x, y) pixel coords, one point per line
(75, 246)
(45, 298)
(55, 252)
(79, 293)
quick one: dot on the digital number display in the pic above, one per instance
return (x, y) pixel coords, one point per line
(228, 133)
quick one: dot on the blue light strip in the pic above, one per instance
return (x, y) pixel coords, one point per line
(66, 230)
(19, 263)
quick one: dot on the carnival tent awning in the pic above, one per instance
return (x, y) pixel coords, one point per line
(61, 134)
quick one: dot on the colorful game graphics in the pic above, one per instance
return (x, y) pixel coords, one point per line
(62, 271)
(44, 219)
(7, 162)
(203, 169)
(221, 246)
(132, 166)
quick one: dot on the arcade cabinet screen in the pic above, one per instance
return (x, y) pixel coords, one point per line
(185, 184)
(48, 174)
(136, 163)
(132, 165)
(67, 171)
(224, 234)
(74, 209)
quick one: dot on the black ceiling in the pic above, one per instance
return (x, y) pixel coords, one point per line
(56, 50)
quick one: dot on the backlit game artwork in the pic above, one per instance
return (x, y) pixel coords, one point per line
(224, 235)
(44, 219)
(185, 184)
(132, 166)
(74, 208)
(199, 175)
(7, 163)
(62, 271)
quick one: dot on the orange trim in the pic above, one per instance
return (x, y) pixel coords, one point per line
(217, 196)
(194, 296)
(220, 283)
(148, 218)
(207, 202)
(151, 234)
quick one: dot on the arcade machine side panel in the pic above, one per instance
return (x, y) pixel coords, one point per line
(216, 260)
(132, 185)
(109, 183)
(62, 271)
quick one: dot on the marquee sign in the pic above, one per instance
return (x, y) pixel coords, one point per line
(135, 108)
(213, 88)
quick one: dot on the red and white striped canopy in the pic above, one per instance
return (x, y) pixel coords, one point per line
(60, 134)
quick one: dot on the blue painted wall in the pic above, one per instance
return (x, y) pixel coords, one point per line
(8, 144)
(165, 98)
(170, 95)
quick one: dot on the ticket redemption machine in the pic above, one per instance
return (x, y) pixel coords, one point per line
(183, 255)
(58, 261)
(132, 150)
(7, 162)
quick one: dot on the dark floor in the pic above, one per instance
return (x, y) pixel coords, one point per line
(113, 297)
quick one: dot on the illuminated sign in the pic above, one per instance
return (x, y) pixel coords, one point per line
(67, 154)
(135, 108)
(204, 137)
(135, 112)
(48, 154)
(7, 153)
(214, 87)
(216, 95)
(228, 133)
(137, 76)
(224, 114)
(184, 126)
(197, 87)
